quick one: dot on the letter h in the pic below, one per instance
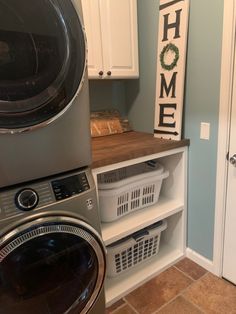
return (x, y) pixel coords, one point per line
(175, 25)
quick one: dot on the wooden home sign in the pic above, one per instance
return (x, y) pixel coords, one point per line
(172, 42)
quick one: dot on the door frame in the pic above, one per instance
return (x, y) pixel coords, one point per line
(226, 89)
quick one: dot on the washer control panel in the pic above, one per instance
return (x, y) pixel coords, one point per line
(69, 186)
(26, 199)
(35, 195)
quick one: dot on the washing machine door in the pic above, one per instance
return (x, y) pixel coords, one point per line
(42, 61)
(53, 265)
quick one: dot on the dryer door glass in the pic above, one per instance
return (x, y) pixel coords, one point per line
(42, 60)
(51, 269)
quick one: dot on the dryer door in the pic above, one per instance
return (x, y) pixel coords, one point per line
(42, 60)
(53, 265)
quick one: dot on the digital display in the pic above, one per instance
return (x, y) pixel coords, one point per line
(70, 186)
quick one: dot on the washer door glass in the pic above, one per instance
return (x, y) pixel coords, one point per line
(42, 60)
(51, 269)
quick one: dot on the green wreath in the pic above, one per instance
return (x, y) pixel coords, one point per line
(173, 48)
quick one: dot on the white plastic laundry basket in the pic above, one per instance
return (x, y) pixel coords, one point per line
(127, 189)
(131, 251)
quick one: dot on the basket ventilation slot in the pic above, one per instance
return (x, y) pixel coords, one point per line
(121, 210)
(134, 255)
(110, 177)
(149, 189)
(135, 194)
(123, 205)
(148, 199)
(135, 204)
(148, 194)
(135, 199)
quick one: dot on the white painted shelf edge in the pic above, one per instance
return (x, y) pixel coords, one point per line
(117, 287)
(140, 219)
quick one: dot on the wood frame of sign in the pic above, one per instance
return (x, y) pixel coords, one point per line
(172, 46)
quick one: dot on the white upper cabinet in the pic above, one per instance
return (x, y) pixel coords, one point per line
(91, 15)
(112, 34)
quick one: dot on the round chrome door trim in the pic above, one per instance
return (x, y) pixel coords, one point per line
(61, 113)
(78, 229)
(55, 85)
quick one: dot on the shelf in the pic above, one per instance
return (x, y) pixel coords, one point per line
(112, 149)
(117, 287)
(142, 218)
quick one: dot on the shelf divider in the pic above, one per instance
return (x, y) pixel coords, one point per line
(165, 207)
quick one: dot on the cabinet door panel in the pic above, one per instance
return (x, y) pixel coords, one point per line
(120, 38)
(92, 22)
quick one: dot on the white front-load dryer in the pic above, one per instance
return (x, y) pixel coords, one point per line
(44, 101)
(52, 257)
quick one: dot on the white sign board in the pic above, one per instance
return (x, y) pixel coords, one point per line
(172, 43)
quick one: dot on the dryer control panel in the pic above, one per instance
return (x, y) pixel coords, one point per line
(69, 186)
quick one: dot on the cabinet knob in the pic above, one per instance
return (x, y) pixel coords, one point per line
(109, 73)
(100, 73)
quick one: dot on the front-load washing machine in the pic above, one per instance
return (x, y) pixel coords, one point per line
(44, 102)
(52, 259)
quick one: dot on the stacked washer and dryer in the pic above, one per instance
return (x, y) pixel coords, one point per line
(52, 259)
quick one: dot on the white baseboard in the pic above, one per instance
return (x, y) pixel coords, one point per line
(200, 260)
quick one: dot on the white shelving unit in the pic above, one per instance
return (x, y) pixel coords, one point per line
(171, 206)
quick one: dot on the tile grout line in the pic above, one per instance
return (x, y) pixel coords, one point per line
(194, 280)
(195, 305)
(130, 306)
(167, 303)
(207, 273)
(180, 294)
(118, 308)
(171, 300)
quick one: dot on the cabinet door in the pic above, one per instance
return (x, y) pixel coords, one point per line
(120, 38)
(92, 22)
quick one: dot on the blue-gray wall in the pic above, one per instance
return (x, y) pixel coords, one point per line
(140, 94)
(137, 99)
(108, 94)
(202, 105)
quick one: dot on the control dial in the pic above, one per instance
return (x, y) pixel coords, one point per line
(26, 199)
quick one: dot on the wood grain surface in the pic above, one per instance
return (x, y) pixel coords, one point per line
(116, 148)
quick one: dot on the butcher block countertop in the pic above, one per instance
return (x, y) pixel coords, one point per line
(116, 148)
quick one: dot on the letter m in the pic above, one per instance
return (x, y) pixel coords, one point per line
(168, 89)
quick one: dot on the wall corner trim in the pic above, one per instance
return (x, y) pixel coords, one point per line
(201, 260)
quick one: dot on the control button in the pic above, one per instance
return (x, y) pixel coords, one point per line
(26, 199)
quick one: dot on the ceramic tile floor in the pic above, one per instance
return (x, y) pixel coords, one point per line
(185, 288)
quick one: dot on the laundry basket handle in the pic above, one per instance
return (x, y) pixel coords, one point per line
(138, 236)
